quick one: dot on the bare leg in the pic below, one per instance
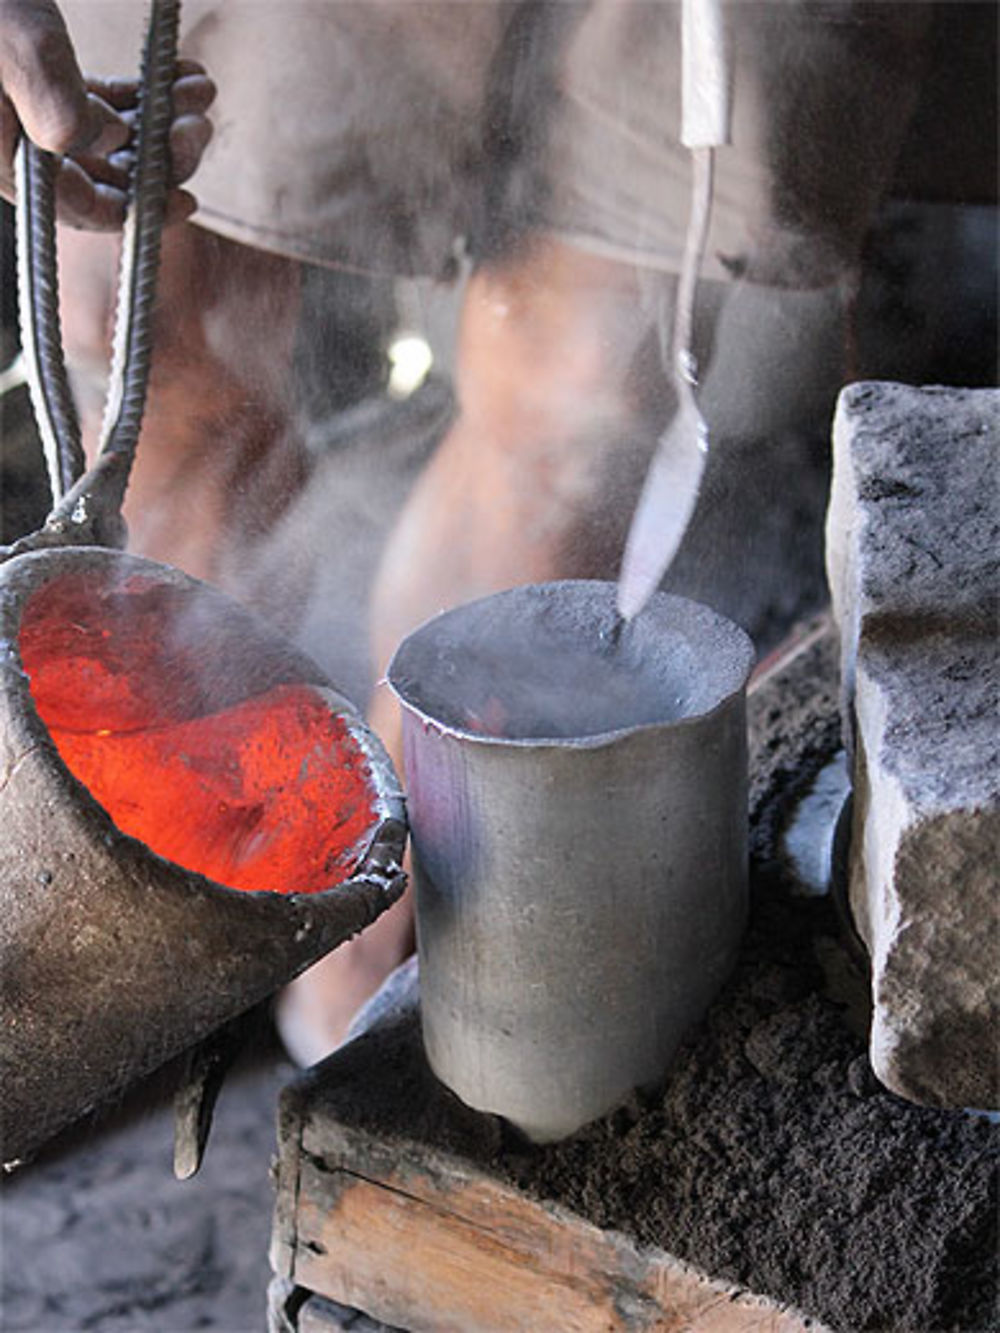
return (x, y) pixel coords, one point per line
(216, 459)
(546, 358)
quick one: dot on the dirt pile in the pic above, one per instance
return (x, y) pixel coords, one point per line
(771, 1157)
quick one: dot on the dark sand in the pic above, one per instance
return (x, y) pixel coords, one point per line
(771, 1157)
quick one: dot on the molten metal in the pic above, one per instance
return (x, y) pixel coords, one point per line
(266, 792)
(217, 758)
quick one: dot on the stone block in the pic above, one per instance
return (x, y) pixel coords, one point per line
(913, 560)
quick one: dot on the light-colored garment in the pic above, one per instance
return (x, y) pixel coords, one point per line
(346, 131)
(381, 134)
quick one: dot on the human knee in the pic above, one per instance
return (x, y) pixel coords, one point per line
(547, 341)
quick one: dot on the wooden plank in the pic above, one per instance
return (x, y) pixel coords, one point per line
(420, 1240)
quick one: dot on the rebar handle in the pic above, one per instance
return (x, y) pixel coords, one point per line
(87, 505)
(40, 328)
(148, 187)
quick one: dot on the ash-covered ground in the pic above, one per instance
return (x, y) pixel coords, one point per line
(97, 1234)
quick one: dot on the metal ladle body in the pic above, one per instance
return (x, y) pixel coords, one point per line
(114, 959)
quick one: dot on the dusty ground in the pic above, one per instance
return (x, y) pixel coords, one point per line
(98, 1235)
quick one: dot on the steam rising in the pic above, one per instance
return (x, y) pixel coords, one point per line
(528, 664)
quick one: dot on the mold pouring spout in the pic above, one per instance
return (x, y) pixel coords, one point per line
(674, 478)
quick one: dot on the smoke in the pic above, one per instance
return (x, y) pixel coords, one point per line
(359, 142)
(548, 663)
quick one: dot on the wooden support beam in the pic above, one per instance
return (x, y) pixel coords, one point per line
(423, 1240)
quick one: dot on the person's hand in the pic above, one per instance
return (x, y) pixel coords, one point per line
(87, 123)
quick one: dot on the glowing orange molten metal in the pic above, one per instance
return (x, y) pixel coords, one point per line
(207, 747)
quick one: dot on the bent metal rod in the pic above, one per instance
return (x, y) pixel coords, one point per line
(87, 504)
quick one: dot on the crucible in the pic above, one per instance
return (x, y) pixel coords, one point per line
(191, 816)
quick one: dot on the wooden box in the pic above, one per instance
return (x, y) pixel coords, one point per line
(423, 1238)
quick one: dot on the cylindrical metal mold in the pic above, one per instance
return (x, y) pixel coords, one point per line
(580, 872)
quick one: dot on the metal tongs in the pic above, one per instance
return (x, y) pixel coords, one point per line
(86, 505)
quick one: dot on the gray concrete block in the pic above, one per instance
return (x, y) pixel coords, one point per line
(913, 560)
